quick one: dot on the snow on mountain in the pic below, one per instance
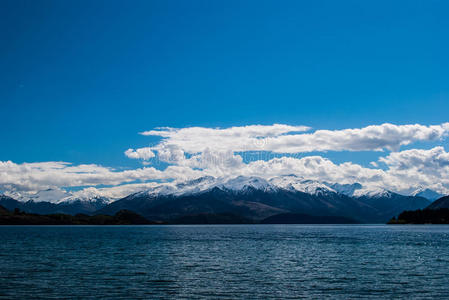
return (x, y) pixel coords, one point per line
(235, 184)
(196, 185)
(426, 193)
(244, 183)
(181, 188)
(372, 192)
(49, 195)
(203, 184)
(93, 199)
(345, 189)
(295, 183)
(57, 196)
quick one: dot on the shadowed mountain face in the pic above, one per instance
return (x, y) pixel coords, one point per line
(427, 193)
(255, 204)
(247, 198)
(391, 204)
(72, 208)
(443, 202)
(435, 213)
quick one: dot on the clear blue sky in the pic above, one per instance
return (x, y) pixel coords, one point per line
(80, 79)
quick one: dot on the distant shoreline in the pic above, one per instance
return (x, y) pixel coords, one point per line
(422, 217)
(126, 217)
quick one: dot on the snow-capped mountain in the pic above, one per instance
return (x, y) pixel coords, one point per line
(49, 195)
(291, 183)
(240, 184)
(57, 196)
(56, 201)
(372, 192)
(345, 189)
(256, 198)
(357, 190)
(427, 193)
(194, 186)
(246, 196)
(244, 183)
(207, 183)
(299, 184)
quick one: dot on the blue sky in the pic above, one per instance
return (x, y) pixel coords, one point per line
(81, 79)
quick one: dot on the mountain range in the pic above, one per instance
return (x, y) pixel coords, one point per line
(250, 198)
(70, 206)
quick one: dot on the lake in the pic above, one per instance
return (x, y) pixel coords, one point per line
(224, 261)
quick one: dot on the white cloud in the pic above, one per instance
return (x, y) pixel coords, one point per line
(280, 138)
(424, 160)
(38, 176)
(318, 168)
(194, 152)
(197, 139)
(141, 153)
(428, 168)
(236, 131)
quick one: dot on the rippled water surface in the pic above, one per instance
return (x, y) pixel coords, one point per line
(224, 261)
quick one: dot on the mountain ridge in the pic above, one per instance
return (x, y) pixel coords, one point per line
(257, 199)
(249, 197)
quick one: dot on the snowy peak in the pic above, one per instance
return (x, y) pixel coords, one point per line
(95, 199)
(372, 192)
(196, 185)
(57, 196)
(49, 195)
(295, 183)
(346, 189)
(427, 193)
(181, 188)
(207, 183)
(244, 183)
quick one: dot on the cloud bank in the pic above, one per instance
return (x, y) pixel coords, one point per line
(197, 151)
(286, 139)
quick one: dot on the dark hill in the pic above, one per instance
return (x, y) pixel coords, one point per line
(425, 216)
(70, 208)
(436, 213)
(443, 202)
(122, 217)
(258, 205)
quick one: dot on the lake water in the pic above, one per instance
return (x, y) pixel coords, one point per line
(224, 261)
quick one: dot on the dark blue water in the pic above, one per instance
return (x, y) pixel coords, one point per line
(237, 261)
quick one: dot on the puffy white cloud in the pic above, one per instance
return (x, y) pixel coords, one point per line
(38, 176)
(216, 163)
(420, 159)
(405, 171)
(399, 179)
(429, 168)
(280, 138)
(194, 152)
(171, 154)
(197, 139)
(319, 168)
(141, 153)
